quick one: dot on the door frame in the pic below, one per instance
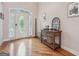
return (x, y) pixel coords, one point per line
(28, 11)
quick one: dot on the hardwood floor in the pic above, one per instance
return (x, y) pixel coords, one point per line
(34, 46)
(41, 49)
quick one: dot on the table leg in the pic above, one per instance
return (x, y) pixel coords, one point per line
(59, 40)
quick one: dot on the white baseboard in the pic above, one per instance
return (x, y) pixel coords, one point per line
(71, 50)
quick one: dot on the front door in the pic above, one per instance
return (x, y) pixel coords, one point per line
(21, 24)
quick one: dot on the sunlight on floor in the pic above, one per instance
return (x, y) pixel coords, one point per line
(21, 49)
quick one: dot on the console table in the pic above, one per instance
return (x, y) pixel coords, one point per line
(48, 37)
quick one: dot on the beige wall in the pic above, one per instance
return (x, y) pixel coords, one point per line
(69, 26)
(30, 6)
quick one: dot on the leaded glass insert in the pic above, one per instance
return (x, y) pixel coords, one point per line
(21, 24)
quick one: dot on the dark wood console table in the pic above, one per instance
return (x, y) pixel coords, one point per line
(48, 37)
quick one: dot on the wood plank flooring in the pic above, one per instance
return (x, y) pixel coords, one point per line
(41, 49)
(37, 48)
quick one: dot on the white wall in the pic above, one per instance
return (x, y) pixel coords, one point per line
(25, 5)
(69, 26)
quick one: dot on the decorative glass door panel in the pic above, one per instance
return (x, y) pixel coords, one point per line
(21, 24)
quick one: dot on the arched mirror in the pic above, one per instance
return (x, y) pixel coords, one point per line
(56, 23)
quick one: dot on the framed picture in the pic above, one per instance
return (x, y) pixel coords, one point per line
(73, 9)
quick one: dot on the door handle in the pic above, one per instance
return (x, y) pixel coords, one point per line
(15, 24)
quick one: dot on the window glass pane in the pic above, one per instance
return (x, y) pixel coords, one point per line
(11, 25)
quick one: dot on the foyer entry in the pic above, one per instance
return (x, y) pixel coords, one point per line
(20, 23)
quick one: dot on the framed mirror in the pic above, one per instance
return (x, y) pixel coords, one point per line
(56, 23)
